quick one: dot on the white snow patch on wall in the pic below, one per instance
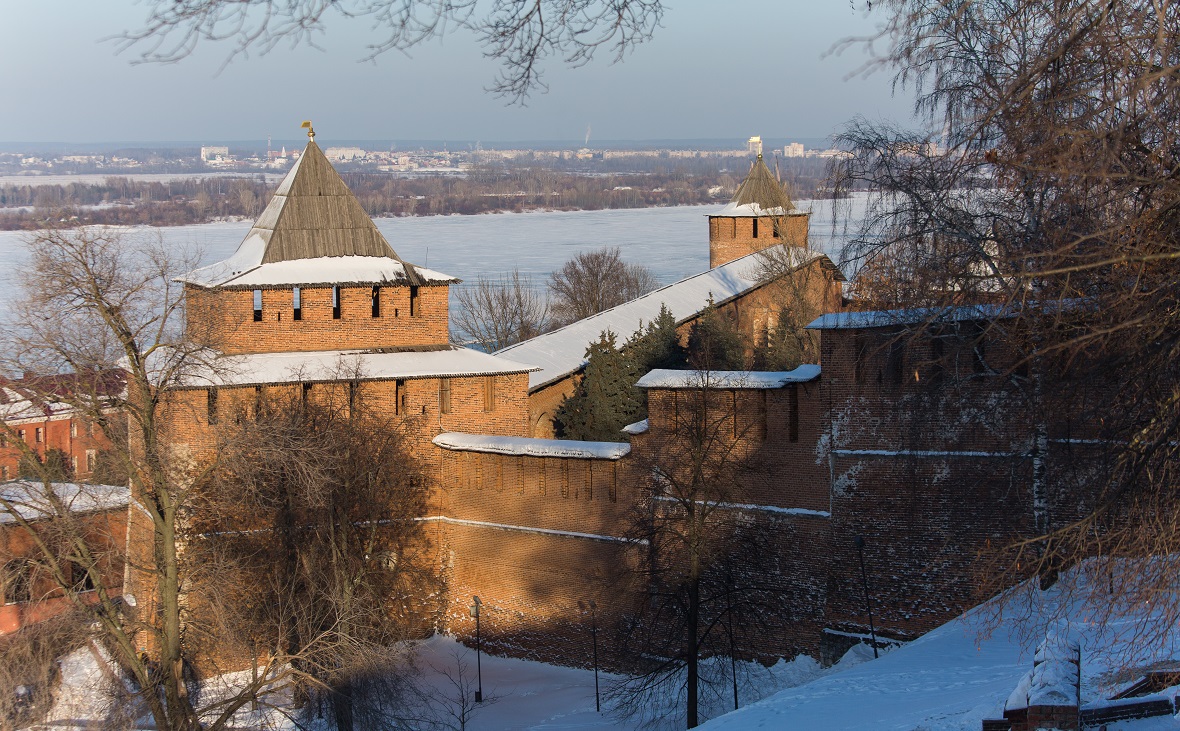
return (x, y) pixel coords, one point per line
(531, 447)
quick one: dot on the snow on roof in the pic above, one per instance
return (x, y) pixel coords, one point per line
(323, 270)
(887, 318)
(530, 447)
(665, 378)
(739, 210)
(563, 351)
(639, 427)
(335, 365)
(30, 500)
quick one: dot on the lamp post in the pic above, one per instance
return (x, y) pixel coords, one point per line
(594, 640)
(859, 541)
(475, 607)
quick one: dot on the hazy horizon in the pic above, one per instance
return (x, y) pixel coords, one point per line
(751, 67)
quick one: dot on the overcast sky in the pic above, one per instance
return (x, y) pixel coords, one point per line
(714, 70)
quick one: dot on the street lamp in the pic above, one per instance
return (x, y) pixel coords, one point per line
(475, 607)
(594, 638)
(859, 542)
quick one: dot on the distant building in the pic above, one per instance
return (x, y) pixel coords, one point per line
(212, 154)
(794, 149)
(344, 154)
(754, 145)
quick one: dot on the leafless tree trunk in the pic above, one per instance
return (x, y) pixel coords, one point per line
(311, 519)
(702, 557)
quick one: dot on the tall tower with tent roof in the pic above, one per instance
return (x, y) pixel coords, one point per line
(760, 215)
(314, 273)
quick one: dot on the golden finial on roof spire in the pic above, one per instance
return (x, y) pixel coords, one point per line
(310, 131)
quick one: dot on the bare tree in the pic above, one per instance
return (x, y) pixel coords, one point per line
(702, 556)
(522, 35)
(97, 305)
(499, 313)
(594, 281)
(1051, 192)
(307, 534)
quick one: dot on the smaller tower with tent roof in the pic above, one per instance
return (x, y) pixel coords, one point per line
(760, 215)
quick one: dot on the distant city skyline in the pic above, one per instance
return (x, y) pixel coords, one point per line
(755, 67)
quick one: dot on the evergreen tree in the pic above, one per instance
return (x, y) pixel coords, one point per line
(657, 346)
(714, 342)
(606, 399)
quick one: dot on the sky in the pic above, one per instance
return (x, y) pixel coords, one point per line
(713, 71)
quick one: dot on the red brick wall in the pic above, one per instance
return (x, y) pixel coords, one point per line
(224, 318)
(732, 237)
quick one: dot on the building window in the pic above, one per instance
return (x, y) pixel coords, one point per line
(489, 393)
(774, 230)
(335, 303)
(399, 397)
(3, 440)
(39, 435)
(895, 365)
(793, 412)
(21, 433)
(73, 429)
(306, 394)
(352, 387)
(91, 459)
(376, 302)
(414, 306)
(17, 581)
(297, 303)
(74, 463)
(258, 405)
(258, 305)
(755, 228)
(4, 472)
(444, 395)
(211, 406)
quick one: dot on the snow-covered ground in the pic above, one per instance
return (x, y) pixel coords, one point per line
(948, 680)
(952, 678)
(519, 695)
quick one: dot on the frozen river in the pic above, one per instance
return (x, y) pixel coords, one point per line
(673, 242)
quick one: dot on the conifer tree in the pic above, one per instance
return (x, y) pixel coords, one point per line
(714, 343)
(606, 399)
(657, 345)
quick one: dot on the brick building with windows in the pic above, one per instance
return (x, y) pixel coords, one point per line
(35, 425)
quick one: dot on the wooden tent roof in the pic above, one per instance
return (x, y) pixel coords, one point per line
(315, 220)
(314, 214)
(759, 194)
